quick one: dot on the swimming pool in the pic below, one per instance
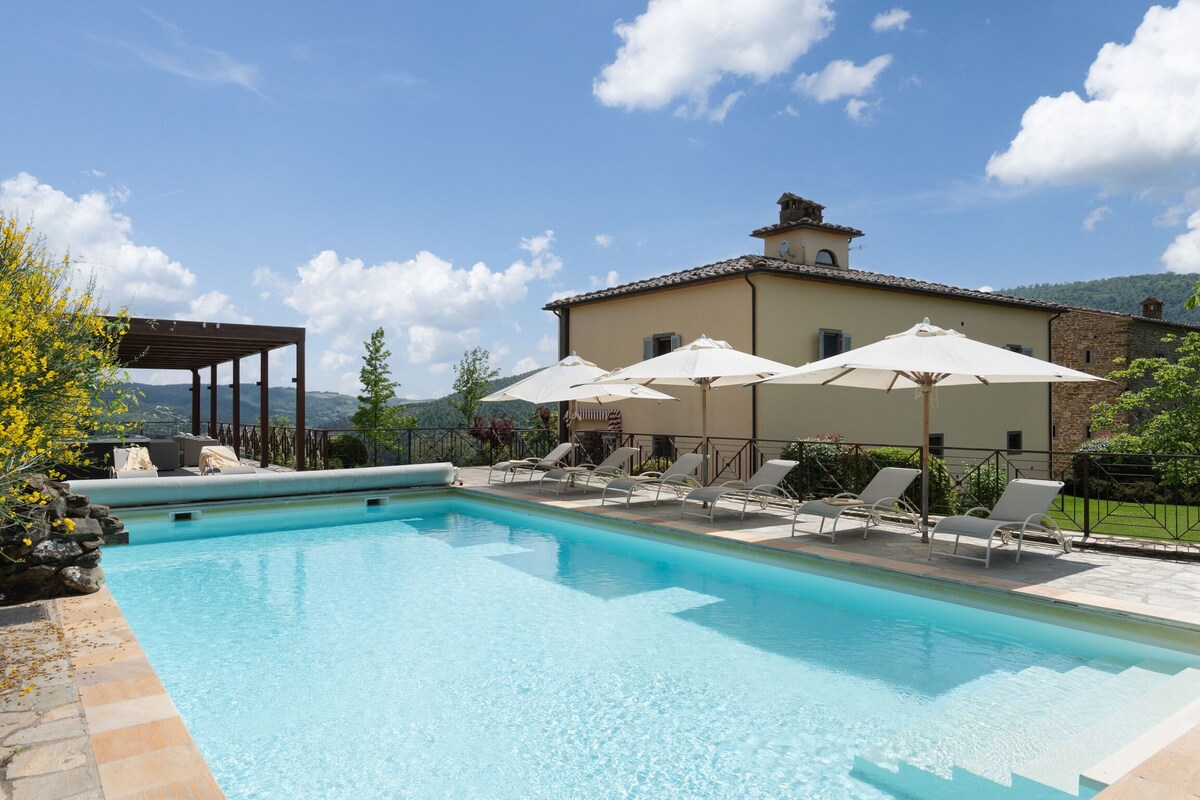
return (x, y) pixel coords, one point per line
(448, 648)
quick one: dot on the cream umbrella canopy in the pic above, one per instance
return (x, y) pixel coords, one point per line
(706, 363)
(922, 357)
(560, 382)
(567, 380)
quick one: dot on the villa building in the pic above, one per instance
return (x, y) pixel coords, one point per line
(799, 301)
(1092, 341)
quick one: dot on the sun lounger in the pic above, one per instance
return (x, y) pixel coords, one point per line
(763, 487)
(133, 462)
(221, 460)
(615, 466)
(1023, 507)
(531, 466)
(678, 477)
(881, 497)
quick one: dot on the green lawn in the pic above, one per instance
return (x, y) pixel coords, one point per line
(1108, 517)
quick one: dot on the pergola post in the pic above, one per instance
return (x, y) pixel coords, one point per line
(237, 407)
(212, 401)
(301, 433)
(264, 411)
(195, 402)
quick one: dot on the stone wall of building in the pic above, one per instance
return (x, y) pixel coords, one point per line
(1088, 341)
(1146, 339)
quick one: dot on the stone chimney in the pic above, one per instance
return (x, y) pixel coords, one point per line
(793, 208)
(1152, 308)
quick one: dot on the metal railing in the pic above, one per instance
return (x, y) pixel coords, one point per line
(1147, 496)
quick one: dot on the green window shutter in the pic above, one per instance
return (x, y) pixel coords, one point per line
(647, 348)
(676, 340)
(846, 342)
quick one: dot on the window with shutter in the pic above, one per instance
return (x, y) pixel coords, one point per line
(832, 342)
(660, 344)
(937, 445)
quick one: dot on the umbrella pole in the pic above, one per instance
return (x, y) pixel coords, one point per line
(571, 424)
(925, 390)
(704, 432)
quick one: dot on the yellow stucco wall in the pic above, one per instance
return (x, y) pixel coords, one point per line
(790, 313)
(805, 243)
(610, 334)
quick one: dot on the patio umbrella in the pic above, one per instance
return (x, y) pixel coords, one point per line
(560, 382)
(922, 357)
(706, 363)
(569, 380)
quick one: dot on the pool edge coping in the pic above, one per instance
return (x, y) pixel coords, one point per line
(140, 744)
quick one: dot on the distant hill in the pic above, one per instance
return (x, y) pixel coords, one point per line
(439, 413)
(329, 410)
(1124, 294)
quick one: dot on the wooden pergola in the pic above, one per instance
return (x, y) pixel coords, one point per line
(193, 346)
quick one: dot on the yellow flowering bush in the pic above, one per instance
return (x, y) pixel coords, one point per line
(60, 377)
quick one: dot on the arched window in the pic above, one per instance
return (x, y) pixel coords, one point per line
(826, 258)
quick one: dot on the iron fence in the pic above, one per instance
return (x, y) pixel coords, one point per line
(1148, 496)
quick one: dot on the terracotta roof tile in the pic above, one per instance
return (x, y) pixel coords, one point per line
(806, 223)
(754, 263)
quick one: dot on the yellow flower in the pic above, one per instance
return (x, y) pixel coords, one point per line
(27, 541)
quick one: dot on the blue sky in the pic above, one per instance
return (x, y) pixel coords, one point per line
(442, 170)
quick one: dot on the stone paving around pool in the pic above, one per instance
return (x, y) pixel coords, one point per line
(86, 717)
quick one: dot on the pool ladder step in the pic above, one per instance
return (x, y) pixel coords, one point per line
(1047, 762)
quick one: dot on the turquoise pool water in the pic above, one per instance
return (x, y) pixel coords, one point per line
(455, 649)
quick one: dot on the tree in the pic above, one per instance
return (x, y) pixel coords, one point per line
(472, 376)
(60, 379)
(1161, 407)
(1193, 302)
(377, 417)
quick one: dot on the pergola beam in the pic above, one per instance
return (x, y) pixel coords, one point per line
(162, 344)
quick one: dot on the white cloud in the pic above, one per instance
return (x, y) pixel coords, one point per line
(441, 306)
(1094, 217)
(99, 240)
(548, 344)
(893, 20)
(703, 111)
(603, 240)
(440, 368)
(426, 343)
(524, 365)
(861, 111)
(332, 360)
(424, 291)
(986, 288)
(198, 64)
(1139, 123)
(787, 111)
(681, 49)
(610, 280)
(213, 306)
(1183, 254)
(841, 78)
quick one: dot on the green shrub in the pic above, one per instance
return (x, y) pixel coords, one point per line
(347, 451)
(980, 486)
(821, 471)
(653, 464)
(941, 482)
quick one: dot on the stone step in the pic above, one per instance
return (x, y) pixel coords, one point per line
(1062, 764)
(963, 719)
(1015, 741)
